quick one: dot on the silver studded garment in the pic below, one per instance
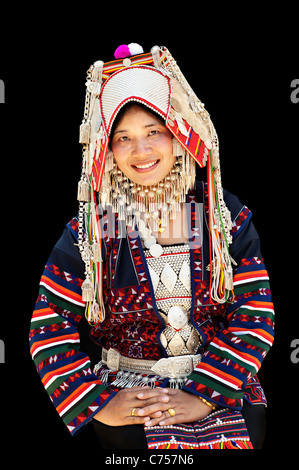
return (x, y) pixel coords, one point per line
(170, 275)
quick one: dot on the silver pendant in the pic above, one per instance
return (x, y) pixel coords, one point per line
(185, 276)
(83, 191)
(193, 342)
(84, 133)
(87, 290)
(177, 317)
(168, 277)
(96, 252)
(176, 345)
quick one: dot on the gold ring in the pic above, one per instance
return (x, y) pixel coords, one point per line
(171, 411)
(133, 411)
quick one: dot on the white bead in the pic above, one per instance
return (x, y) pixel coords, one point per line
(156, 250)
(149, 242)
(145, 234)
(99, 63)
(127, 62)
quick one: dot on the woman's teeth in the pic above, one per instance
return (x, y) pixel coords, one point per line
(148, 165)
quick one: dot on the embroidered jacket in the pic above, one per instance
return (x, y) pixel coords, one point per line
(236, 336)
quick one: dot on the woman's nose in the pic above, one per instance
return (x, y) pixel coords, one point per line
(141, 147)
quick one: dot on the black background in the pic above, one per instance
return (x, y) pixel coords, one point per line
(241, 66)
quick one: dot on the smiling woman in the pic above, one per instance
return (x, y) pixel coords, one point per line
(167, 270)
(142, 146)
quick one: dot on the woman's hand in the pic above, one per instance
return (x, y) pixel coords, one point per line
(118, 411)
(187, 407)
(150, 407)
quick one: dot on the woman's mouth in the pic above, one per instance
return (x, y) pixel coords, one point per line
(146, 166)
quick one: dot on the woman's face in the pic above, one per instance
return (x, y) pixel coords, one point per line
(142, 147)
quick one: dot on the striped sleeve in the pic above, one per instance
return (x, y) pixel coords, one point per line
(65, 371)
(236, 353)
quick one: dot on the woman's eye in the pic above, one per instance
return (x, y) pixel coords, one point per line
(154, 132)
(124, 138)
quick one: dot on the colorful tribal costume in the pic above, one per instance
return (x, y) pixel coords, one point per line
(194, 316)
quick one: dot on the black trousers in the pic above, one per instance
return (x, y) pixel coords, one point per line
(133, 436)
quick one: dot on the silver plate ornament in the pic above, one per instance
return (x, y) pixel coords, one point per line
(177, 317)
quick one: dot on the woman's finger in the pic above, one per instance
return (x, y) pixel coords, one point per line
(150, 409)
(163, 420)
(152, 392)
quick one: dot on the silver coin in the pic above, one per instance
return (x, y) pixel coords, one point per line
(177, 317)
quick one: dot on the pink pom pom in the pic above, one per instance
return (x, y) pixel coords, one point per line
(122, 52)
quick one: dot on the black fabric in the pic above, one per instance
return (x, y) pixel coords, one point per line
(66, 252)
(120, 437)
(255, 419)
(133, 436)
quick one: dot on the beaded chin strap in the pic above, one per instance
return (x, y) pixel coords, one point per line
(155, 80)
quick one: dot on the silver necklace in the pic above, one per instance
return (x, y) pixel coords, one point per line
(148, 207)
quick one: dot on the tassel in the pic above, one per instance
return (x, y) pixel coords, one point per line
(96, 249)
(87, 290)
(109, 161)
(98, 72)
(83, 191)
(104, 376)
(156, 56)
(95, 313)
(177, 149)
(84, 133)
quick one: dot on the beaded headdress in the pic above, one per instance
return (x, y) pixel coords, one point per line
(154, 80)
